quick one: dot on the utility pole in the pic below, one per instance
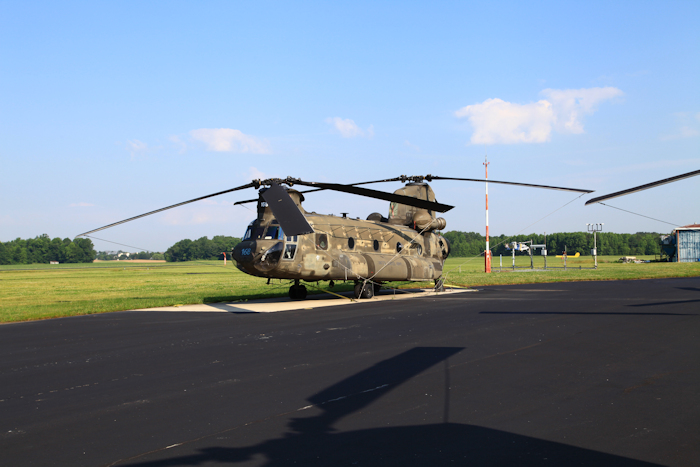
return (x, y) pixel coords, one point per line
(595, 228)
(487, 253)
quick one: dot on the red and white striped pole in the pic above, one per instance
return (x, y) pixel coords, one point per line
(487, 253)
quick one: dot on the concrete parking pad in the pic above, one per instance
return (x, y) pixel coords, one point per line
(274, 305)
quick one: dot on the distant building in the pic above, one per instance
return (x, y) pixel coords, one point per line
(683, 245)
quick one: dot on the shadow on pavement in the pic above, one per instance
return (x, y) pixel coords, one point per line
(312, 441)
(602, 313)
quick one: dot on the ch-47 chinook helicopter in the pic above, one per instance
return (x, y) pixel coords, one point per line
(287, 242)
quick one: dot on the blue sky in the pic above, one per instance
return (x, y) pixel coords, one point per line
(112, 109)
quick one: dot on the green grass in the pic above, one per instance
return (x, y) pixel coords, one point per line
(30, 292)
(470, 272)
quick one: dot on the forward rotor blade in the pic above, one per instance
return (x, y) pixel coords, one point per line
(322, 189)
(289, 216)
(642, 187)
(249, 185)
(577, 190)
(401, 199)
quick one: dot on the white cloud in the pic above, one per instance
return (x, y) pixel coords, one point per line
(348, 128)
(181, 145)
(414, 147)
(496, 121)
(230, 140)
(255, 174)
(570, 105)
(683, 132)
(688, 126)
(80, 205)
(136, 147)
(200, 216)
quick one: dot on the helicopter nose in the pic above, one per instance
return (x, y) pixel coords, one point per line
(244, 252)
(269, 259)
(258, 256)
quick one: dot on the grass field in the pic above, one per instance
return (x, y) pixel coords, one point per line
(29, 292)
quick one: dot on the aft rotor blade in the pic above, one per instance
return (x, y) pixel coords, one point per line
(642, 187)
(577, 190)
(249, 185)
(401, 199)
(289, 216)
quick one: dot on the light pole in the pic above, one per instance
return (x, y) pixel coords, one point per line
(595, 228)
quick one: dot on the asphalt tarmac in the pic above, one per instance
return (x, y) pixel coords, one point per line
(591, 373)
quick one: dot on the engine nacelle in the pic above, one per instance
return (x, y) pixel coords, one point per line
(424, 221)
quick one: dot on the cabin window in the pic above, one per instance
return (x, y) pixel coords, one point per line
(351, 243)
(399, 247)
(292, 239)
(289, 251)
(376, 245)
(321, 241)
(418, 250)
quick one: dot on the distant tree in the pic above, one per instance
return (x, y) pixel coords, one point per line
(181, 251)
(73, 253)
(87, 249)
(57, 251)
(19, 252)
(4, 254)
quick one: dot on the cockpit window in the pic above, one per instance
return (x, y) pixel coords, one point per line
(274, 232)
(248, 232)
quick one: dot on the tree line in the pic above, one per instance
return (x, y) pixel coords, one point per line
(202, 248)
(43, 249)
(608, 243)
(125, 255)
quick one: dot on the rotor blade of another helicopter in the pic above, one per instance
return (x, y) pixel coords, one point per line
(287, 213)
(401, 199)
(642, 187)
(249, 185)
(578, 190)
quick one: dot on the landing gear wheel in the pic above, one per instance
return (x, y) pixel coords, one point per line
(364, 290)
(297, 292)
(439, 285)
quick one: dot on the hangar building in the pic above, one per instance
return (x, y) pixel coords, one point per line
(683, 245)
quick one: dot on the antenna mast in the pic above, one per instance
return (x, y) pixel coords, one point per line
(487, 252)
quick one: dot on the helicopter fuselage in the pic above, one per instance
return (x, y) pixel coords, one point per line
(341, 249)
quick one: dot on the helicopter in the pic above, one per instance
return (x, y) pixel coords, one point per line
(287, 242)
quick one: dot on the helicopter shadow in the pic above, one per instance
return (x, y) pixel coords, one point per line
(313, 440)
